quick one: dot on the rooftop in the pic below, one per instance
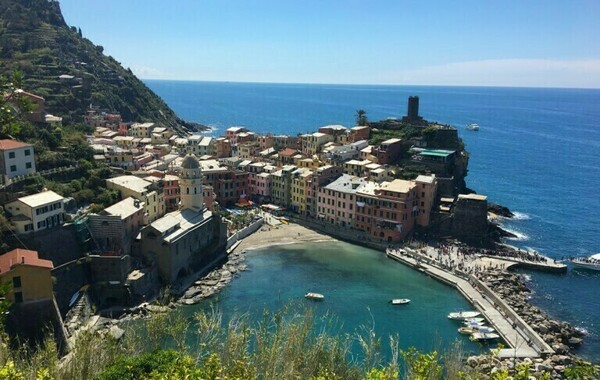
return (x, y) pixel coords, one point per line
(131, 182)
(436, 152)
(398, 186)
(41, 199)
(346, 184)
(177, 223)
(23, 257)
(12, 144)
(425, 178)
(124, 208)
(475, 197)
(391, 141)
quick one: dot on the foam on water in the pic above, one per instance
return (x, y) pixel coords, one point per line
(519, 236)
(520, 216)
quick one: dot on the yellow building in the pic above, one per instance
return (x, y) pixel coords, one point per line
(145, 191)
(29, 276)
(299, 189)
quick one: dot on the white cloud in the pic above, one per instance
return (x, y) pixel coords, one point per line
(145, 72)
(505, 72)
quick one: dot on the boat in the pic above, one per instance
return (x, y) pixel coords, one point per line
(461, 315)
(314, 296)
(591, 262)
(473, 323)
(483, 336)
(468, 330)
(473, 127)
(400, 301)
(469, 320)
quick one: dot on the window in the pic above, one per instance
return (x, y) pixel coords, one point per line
(16, 282)
(28, 165)
(11, 154)
(27, 152)
(13, 168)
(18, 297)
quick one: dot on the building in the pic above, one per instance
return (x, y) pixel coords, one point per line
(311, 144)
(343, 153)
(281, 185)
(232, 134)
(172, 192)
(299, 186)
(388, 152)
(16, 159)
(145, 191)
(248, 149)
(228, 183)
(114, 229)
(30, 277)
(427, 192)
(320, 177)
(336, 201)
(222, 148)
(388, 211)
(360, 133)
(36, 212)
(188, 240)
(141, 129)
(161, 135)
(412, 112)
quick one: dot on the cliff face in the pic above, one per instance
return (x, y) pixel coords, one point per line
(35, 39)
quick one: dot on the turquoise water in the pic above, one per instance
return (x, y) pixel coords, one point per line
(538, 152)
(358, 284)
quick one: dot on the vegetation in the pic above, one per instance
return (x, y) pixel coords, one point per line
(35, 39)
(361, 117)
(289, 344)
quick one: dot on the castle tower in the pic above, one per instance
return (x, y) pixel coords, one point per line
(190, 184)
(413, 108)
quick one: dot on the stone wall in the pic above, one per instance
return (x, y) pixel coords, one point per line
(469, 222)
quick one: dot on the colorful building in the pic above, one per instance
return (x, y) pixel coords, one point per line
(30, 277)
(336, 201)
(37, 212)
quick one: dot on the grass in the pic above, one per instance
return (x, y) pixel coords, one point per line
(283, 345)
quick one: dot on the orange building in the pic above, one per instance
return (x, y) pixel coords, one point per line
(29, 276)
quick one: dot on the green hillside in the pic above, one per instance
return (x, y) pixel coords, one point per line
(35, 39)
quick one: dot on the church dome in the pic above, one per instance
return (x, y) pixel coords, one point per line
(190, 162)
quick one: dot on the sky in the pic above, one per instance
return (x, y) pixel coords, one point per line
(413, 42)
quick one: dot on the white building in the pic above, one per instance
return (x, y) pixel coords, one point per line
(16, 159)
(36, 212)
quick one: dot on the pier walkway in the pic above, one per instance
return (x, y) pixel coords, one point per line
(520, 337)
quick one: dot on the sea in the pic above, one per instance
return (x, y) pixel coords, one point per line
(537, 152)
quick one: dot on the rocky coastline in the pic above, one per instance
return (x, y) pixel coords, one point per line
(561, 336)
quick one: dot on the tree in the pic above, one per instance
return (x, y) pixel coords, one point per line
(361, 117)
(12, 105)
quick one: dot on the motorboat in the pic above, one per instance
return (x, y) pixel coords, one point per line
(400, 301)
(473, 323)
(473, 127)
(483, 336)
(468, 330)
(462, 315)
(591, 262)
(314, 296)
(477, 320)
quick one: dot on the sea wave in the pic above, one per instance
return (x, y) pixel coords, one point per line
(519, 236)
(520, 216)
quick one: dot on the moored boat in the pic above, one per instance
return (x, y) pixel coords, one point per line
(400, 301)
(591, 262)
(483, 336)
(468, 330)
(461, 315)
(477, 320)
(314, 296)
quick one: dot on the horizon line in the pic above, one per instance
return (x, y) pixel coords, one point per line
(370, 84)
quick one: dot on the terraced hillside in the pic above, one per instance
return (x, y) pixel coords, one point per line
(69, 71)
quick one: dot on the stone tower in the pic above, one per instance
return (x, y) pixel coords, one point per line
(190, 183)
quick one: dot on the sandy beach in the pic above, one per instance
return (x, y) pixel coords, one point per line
(276, 233)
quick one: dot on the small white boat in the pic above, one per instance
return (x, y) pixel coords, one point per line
(400, 301)
(461, 315)
(483, 336)
(314, 296)
(473, 127)
(471, 330)
(473, 323)
(477, 320)
(591, 263)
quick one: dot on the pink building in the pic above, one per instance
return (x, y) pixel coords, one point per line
(172, 192)
(388, 211)
(232, 134)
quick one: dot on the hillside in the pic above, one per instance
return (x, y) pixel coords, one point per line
(35, 39)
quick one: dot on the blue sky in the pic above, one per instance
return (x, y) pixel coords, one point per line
(508, 43)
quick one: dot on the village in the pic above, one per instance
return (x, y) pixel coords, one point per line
(183, 198)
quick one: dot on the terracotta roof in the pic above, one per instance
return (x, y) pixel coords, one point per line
(12, 144)
(287, 152)
(24, 257)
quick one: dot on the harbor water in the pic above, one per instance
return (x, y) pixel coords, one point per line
(537, 152)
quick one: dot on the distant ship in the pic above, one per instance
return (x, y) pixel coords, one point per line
(592, 262)
(473, 127)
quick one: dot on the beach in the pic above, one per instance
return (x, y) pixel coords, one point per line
(274, 232)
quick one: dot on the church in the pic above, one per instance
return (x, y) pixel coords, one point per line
(187, 240)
